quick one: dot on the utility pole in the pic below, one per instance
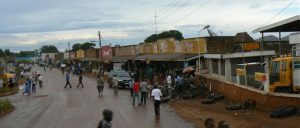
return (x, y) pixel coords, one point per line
(100, 48)
(69, 46)
(155, 16)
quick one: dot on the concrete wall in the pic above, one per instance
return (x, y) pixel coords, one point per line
(265, 101)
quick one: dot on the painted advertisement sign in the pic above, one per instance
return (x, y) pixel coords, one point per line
(90, 53)
(125, 51)
(195, 45)
(106, 53)
(72, 55)
(79, 54)
(166, 45)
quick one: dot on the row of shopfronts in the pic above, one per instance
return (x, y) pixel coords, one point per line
(218, 56)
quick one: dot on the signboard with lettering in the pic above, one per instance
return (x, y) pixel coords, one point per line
(79, 54)
(240, 72)
(251, 46)
(106, 53)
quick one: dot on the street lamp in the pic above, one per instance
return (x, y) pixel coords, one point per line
(205, 27)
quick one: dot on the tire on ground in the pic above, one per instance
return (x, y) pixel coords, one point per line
(207, 101)
(234, 107)
(283, 112)
(216, 97)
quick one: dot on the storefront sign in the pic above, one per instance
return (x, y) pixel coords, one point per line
(79, 54)
(260, 76)
(240, 72)
(251, 46)
(106, 53)
(72, 55)
(197, 45)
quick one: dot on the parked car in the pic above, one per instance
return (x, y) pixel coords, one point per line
(122, 76)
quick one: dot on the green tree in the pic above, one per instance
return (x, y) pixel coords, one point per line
(7, 52)
(1, 53)
(165, 34)
(87, 45)
(26, 53)
(49, 49)
(151, 38)
(76, 47)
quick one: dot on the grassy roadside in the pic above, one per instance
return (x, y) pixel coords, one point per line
(7, 91)
(5, 107)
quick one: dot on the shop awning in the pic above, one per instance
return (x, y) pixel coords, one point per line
(91, 59)
(167, 57)
(121, 58)
(288, 25)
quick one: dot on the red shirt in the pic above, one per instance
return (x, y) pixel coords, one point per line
(136, 87)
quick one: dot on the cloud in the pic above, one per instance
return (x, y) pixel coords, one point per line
(34, 23)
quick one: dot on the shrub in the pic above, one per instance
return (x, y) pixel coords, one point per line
(5, 105)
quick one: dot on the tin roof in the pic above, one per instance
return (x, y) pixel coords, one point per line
(288, 25)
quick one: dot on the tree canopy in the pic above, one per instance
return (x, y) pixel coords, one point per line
(165, 34)
(76, 47)
(87, 45)
(1, 53)
(5, 52)
(26, 53)
(84, 46)
(49, 49)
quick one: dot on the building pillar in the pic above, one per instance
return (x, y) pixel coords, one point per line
(219, 67)
(210, 67)
(228, 76)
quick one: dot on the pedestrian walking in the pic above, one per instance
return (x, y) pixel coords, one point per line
(27, 88)
(33, 85)
(100, 85)
(40, 79)
(136, 91)
(107, 118)
(115, 84)
(45, 68)
(80, 81)
(68, 80)
(131, 86)
(143, 88)
(156, 94)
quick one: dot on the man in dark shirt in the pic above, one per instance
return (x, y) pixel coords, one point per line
(68, 80)
(80, 81)
(107, 118)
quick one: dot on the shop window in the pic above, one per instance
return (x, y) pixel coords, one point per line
(215, 66)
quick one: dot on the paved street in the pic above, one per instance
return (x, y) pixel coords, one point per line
(56, 107)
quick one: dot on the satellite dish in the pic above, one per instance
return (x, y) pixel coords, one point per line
(207, 26)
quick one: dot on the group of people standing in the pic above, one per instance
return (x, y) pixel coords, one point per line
(139, 92)
(31, 83)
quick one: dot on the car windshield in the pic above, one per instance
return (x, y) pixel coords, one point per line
(122, 74)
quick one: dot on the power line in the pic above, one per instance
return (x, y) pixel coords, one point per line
(283, 9)
(191, 12)
(167, 15)
(163, 11)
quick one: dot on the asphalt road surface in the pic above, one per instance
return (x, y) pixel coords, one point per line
(56, 107)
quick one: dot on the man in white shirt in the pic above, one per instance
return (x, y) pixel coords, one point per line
(156, 94)
(169, 80)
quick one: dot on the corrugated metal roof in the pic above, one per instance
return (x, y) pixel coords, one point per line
(166, 57)
(288, 25)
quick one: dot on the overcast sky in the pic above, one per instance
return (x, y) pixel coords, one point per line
(29, 24)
